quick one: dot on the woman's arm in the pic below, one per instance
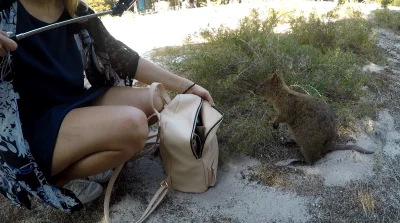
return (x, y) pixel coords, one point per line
(129, 64)
(147, 72)
(123, 59)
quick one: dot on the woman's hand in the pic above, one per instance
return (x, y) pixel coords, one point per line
(6, 44)
(147, 73)
(201, 92)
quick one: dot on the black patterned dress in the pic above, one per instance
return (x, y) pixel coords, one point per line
(20, 175)
(50, 81)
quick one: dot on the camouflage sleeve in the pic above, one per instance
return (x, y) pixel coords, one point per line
(123, 59)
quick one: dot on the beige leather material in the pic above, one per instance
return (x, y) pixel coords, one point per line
(189, 150)
(177, 122)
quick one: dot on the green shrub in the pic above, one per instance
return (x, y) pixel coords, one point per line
(328, 33)
(231, 62)
(385, 3)
(387, 18)
(100, 5)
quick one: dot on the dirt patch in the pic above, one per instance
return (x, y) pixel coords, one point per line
(233, 198)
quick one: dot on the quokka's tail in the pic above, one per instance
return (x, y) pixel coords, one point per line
(352, 147)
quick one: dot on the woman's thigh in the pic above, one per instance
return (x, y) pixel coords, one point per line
(117, 120)
(89, 130)
(135, 97)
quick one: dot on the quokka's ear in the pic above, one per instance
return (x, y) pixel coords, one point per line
(276, 77)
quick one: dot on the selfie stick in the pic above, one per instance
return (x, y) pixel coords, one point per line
(119, 9)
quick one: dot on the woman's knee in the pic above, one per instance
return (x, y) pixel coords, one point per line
(135, 130)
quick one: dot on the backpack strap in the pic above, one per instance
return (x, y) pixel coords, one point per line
(158, 197)
(155, 201)
(163, 93)
(162, 191)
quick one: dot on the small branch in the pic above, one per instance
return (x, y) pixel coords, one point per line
(295, 85)
(241, 72)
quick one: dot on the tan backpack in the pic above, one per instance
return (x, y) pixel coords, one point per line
(187, 139)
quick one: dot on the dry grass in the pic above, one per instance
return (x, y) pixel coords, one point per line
(375, 201)
(42, 213)
(92, 212)
(366, 200)
(273, 176)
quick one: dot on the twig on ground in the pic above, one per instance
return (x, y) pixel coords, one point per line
(296, 85)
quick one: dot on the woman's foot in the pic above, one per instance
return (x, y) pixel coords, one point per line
(85, 190)
(102, 177)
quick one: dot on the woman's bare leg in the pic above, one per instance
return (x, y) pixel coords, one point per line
(135, 97)
(94, 139)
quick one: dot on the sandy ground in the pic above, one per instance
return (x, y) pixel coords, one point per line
(231, 200)
(235, 198)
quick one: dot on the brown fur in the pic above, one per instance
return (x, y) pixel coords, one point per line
(310, 121)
